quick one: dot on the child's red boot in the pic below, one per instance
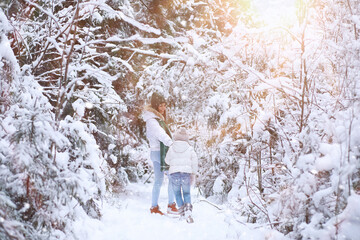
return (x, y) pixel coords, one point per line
(172, 209)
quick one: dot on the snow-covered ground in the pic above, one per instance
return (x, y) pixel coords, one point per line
(128, 218)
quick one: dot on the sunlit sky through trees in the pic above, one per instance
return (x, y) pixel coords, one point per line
(276, 12)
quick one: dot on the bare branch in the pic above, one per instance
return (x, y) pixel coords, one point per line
(44, 11)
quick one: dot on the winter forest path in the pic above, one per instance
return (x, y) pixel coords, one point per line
(129, 218)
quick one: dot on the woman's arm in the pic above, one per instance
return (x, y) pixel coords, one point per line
(159, 132)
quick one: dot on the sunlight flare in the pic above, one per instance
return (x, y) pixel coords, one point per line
(274, 13)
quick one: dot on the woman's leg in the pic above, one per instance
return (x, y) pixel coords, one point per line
(185, 184)
(175, 180)
(171, 193)
(159, 178)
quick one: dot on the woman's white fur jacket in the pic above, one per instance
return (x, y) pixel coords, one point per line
(154, 132)
(182, 158)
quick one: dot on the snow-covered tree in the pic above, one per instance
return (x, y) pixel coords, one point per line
(272, 110)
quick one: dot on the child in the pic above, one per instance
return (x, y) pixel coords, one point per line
(183, 167)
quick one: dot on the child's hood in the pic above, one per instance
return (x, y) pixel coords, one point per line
(180, 146)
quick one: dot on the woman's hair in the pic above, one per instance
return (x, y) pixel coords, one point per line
(156, 100)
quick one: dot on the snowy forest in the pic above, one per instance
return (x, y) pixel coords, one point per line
(268, 90)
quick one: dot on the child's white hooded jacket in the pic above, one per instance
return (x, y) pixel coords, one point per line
(182, 158)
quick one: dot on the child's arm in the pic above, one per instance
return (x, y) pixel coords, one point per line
(194, 162)
(168, 156)
(194, 167)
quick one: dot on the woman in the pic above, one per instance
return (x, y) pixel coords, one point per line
(159, 137)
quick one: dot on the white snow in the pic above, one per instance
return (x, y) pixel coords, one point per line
(129, 218)
(6, 52)
(97, 17)
(79, 107)
(331, 158)
(62, 159)
(219, 184)
(350, 219)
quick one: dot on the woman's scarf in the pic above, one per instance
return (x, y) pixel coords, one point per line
(163, 147)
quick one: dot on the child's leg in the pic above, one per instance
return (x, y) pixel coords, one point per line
(186, 187)
(187, 208)
(175, 179)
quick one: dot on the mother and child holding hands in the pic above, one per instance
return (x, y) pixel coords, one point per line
(171, 156)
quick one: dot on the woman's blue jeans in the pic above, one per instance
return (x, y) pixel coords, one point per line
(181, 184)
(159, 178)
